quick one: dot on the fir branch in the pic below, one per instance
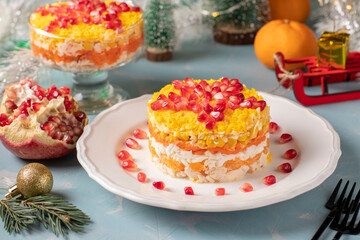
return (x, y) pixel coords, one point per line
(58, 214)
(15, 216)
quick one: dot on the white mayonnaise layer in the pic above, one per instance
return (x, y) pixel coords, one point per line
(211, 160)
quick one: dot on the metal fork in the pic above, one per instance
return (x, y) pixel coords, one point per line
(341, 226)
(334, 205)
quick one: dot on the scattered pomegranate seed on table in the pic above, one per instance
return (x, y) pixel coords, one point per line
(140, 134)
(273, 127)
(285, 138)
(129, 165)
(220, 191)
(132, 143)
(124, 155)
(188, 191)
(285, 168)
(141, 177)
(159, 185)
(246, 187)
(290, 154)
(269, 180)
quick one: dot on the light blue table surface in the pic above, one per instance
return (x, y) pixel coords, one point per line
(114, 217)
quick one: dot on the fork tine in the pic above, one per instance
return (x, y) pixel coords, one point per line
(335, 192)
(339, 201)
(356, 201)
(348, 203)
(354, 217)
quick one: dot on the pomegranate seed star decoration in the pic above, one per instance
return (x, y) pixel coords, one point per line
(30, 202)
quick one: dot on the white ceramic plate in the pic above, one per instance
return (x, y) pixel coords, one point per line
(314, 138)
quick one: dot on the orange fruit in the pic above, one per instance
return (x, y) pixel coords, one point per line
(293, 39)
(297, 10)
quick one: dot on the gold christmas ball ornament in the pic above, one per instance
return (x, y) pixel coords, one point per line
(34, 179)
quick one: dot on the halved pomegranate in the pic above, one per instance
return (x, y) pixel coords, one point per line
(38, 123)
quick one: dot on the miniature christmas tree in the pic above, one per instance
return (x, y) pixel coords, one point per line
(236, 21)
(159, 30)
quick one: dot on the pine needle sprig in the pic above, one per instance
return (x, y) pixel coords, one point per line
(56, 213)
(15, 216)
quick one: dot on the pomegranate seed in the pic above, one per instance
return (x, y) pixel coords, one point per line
(132, 143)
(96, 20)
(235, 99)
(167, 105)
(220, 191)
(239, 87)
(234, 81)
(140, 134)
(109, 25)
(285, 168)
(273, 127)
(117, 22)
(285, 138)
(68, 104)
(194, 97)
(188, 191)
(180, 106)
(199, 90)
(63, 25)
(125, 9)
(37, 105)
(223, 87)
(124, 155)
(190, 82)
(80, 116)
(49, 28)
(197, 108)
(73, 21)
(3, 117)
(218, 116)
(10, 105)
(290, 154)
(129, 165)
(202, 117)
(141, 177)
(44, 12)
(185, 91)
(261, 104)
(207, 96)
(174, 97)
(219, 107)
(65, 90)
(54, 23)
(156, 105)
(106, 17)
(216, 84)
(47, 126)
(135, 9)
(225, 81)
(215, 90)
(159, 185)
(208, 108)
(251, 99)
(246, 104)
(219, 95)
(233, 90)
(177, 84)
(203, 83)
(246, 187)
(54, 119)
(232, 105)
(210, 124)
(269, 180)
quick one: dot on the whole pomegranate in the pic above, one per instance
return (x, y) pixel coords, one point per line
(38, 123)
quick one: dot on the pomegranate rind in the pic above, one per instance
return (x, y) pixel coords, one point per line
(37, 150)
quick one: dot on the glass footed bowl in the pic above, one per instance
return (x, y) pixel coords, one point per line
(89, 61)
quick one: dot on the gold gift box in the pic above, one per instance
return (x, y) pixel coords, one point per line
(333, 49)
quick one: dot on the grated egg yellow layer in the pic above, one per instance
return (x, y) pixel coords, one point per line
(82, 30)
(244, 123)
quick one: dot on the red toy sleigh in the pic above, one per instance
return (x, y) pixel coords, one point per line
(317, 76)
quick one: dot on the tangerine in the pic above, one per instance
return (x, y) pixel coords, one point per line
(297, 10)
(293, 39)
